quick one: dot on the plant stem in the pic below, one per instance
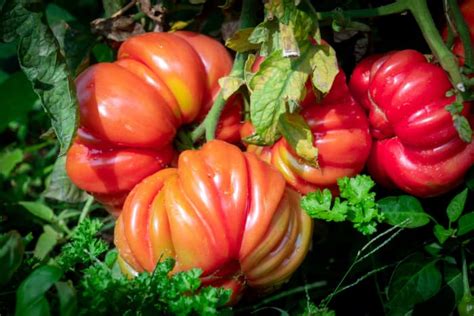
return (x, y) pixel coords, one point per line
(86, 208)
(465, 275)
(463, 30)
(422, 15)
(209, 125)
(392, 8)
(293, 291)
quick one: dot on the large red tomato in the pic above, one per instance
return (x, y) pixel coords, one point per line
(130, 109)
(417, 148)
(221, 210)
(341, 135)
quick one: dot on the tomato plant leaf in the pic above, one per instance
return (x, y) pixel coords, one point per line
(67, 299)
(8, 161)
(18, 99)
(44, 65)
(460, 122)
(229, 85)
(297, 133)
(46, 242)
(39, 210)
(112, 6)
(415, 280)
(441, 233)
(456, 206)
(465, 224)
(278, 81)
(325, 68)
(404, 210)
(453, 279)
(239, 41)
(12, 249)
(60, 186)
(30, 296)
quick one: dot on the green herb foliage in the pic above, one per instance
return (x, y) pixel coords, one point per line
(355, 204)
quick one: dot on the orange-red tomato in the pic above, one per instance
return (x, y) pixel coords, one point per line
(221, 210)
(131, 109)
(341, 134)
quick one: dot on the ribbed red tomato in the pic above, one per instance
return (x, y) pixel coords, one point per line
(341, 135)
(130, 109)
(221, 210)
(417, 148)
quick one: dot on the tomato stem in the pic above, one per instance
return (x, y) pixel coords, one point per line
(463, 31)
(465, 275)
(392, 8)
(209, 125)
(422, 15)
(420, 11)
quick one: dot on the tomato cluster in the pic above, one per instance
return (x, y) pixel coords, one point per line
(228, 212)
(130, 109)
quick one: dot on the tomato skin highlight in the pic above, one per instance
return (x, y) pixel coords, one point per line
(417, 148)
(131, 109)
(341, 134)
(221, 210)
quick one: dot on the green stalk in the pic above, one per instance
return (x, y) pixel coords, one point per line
(423, 17)
(465, 276)
(209, 125)
(463, 30)
(392, 8)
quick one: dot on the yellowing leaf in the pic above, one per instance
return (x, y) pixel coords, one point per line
(280, 80)
(240, 43)
(230, 85)
(298, 134)
(179, 25)
(325, 68)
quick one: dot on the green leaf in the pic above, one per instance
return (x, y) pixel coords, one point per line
(67, 299)
(453, 279)
(267, 35)
(239, 41)
(60, 186)
(39, 209)
(46, 242)
(441, 233)
(12, 249)
(103, 53)
(289, 45)
(42, 62)
(230, 85)
(413, 281)
(456, 206)
(404, 210)
(460, 122)
(325, 68)
(56, 14)
(363, 211)
(279, 81)
(466, 224)
(9, 160)
(30, 296)
(318, 205)
(296, 131)
(7, 50)
(470, 179)
(112, 6)
(18, 98)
